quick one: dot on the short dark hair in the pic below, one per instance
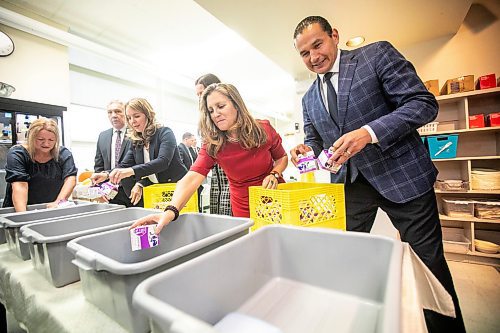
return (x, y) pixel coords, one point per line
(325, 25)
(187, 135)
(207, 80)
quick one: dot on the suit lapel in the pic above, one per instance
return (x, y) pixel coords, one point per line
(106, 148)
(346, 73)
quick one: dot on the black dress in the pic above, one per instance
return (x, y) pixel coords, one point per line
(45, 180)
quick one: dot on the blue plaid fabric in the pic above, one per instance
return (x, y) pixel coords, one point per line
(380, 88)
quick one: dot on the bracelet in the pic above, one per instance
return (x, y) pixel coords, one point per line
(173, 209)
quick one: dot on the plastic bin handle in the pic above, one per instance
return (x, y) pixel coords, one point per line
(84, 260)
(81, 265)
(3, 222)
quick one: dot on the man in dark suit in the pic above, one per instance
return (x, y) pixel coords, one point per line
(112, 146)
(187, 149)
(367, 104)
(189, 153)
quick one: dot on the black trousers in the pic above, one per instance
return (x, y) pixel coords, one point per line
(418, 224)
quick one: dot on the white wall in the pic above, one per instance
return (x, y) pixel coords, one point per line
(474, 49)
(90, 93)
(38, 69)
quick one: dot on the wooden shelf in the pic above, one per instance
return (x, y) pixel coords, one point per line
(466, 158)
(468, 94)
(443, 217)
(465, 131)
(477, 148)
(482, 254)
(469, 192)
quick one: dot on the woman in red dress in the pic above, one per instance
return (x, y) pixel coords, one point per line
(248, 150)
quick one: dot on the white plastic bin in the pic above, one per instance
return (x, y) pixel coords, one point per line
(10, 210)
(295, 279)
(47, 240)
(13, 222)
(110, 270)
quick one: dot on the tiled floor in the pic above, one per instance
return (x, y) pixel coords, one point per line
(478, 288)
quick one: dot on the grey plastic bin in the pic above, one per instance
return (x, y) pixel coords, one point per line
(110, 270)
(296, 279)
(10, 210)
(48, 240)
(13, 222)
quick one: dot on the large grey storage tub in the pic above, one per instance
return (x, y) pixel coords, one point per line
(48, 240)
(295, 279)
(10, 210)
(13, 222)
(110, 270)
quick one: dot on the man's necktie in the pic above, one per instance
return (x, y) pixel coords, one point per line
(331, 97)
(118, 147)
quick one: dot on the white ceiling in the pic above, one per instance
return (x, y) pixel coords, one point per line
(269, 25)
(191, 37)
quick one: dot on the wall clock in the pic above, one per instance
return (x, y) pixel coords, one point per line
(6, 45)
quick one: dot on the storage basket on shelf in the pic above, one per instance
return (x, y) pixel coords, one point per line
(485, 179)
(299, 204)
(158, 196)
(457, 207)
(487, 209)
(428, 128)
(454, 240)
(443, 146)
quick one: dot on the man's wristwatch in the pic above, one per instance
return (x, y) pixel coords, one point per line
(276, 174)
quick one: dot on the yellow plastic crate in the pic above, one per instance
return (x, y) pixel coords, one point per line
(300, 204)
(159, 196)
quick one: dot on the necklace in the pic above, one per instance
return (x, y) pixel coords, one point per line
(230, 139)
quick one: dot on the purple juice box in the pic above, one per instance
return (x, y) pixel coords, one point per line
(109, 189)
(307, 163)
(323, 159)
(144, 237)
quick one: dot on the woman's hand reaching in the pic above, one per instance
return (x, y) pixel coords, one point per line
(161, 219)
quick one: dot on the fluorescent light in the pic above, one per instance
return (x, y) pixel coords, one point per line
(355, 41)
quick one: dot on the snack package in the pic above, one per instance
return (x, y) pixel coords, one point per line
(307, 163)
(108, 189)
(144, 237)
(323, 159)
(96, 191)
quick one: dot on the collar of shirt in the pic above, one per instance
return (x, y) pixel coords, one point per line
(123, 129)
(335, 70)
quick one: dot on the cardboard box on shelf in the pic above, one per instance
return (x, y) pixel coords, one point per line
(494, 119)
(477, 121)
(486, 82)
(432, 86)
(457, 85)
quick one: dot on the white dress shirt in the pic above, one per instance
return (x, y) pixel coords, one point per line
(146, 160)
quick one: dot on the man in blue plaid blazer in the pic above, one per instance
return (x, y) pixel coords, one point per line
(367, 104)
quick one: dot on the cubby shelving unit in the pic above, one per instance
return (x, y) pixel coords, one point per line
(477, 148)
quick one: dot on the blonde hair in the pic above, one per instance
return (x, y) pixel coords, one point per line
(143, 106)
(249, 132)
(36, 126)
